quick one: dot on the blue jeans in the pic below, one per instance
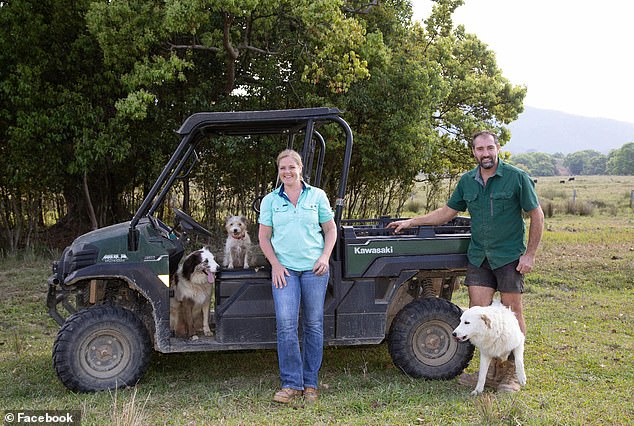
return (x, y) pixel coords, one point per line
(299, 368)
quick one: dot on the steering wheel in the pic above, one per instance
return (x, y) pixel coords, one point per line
(189, 224)
(255, 205)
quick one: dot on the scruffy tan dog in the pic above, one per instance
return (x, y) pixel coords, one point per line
(238, 243)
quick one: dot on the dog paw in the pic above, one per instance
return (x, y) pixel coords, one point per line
(475, 392)
(207, 333)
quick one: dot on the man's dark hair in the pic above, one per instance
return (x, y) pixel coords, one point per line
(481, 133)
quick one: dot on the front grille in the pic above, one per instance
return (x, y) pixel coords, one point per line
(73, 260)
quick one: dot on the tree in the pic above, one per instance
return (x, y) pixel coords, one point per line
(587, 162)
(55, 104)
(280, 55)
(252, 45)
(90, 112)
(103, 80)
(178, 58)
(597, 165)
(536, 163)
(429, 89)
(621, 161)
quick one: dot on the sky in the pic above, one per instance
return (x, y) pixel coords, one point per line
(574, 56)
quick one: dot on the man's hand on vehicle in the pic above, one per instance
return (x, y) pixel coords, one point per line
(399, 225)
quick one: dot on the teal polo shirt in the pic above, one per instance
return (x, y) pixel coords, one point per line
(497, 225)
(297, 237)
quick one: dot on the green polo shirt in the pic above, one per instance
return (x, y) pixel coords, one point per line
(297, 237)
(497, 225)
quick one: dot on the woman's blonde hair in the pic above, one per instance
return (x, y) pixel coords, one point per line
(290, 153)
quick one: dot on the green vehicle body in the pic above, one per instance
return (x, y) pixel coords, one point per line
(110, 290)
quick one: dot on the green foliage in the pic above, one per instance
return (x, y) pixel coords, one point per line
(536, 163)
(332, 57)
(621, 161)
(474, 94)
(55, 98)
(92, 108)
(136, 104)
(429, 89)
(588, 162)
(581, 163)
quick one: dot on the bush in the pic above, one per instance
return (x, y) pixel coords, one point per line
(548, 208)
(581, 208)
(552, 194)
(413, 206)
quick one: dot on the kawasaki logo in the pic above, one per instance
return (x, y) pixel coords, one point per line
(114, 258)
(376, 250)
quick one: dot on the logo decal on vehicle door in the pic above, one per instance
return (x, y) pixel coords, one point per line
(114, 258)
(375, 250)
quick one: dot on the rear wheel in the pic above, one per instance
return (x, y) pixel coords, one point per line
(421, 342)
(102, 347)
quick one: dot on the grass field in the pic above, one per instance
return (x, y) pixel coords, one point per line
(579, 307)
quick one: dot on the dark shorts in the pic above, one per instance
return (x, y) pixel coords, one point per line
(504, 279)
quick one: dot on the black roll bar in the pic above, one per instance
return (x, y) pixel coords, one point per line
(243, 123)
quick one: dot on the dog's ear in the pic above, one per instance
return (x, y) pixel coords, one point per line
(190, 264)
(244, 219)
(486, 320)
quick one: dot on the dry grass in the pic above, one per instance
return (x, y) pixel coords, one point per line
(130, 412)
(587, 195)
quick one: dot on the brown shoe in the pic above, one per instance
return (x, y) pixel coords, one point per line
(508, 378)
(471, 379)
(286, 395)
(311, 395)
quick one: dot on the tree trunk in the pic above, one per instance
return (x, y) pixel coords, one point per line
(89, 206)
(232, 54)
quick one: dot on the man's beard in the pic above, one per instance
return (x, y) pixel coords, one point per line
(487, 163)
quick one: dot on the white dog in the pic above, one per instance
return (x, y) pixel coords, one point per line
(495, 331)
(238, 243)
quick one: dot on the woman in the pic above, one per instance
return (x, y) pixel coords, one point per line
(292, 219)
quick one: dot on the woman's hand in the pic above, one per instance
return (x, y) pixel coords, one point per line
(330, 239)
(321, 266)
(279, 274)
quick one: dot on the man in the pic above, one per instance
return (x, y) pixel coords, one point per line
(495, 193)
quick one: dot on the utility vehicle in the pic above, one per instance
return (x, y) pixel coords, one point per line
(110, 290)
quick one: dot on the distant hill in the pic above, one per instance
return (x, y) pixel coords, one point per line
(542, 130)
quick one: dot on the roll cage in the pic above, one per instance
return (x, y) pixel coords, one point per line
(292, 122)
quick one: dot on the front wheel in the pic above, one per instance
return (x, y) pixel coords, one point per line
(102, 347)
(421, 342)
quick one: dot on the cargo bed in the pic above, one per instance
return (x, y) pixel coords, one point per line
(372, 250)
